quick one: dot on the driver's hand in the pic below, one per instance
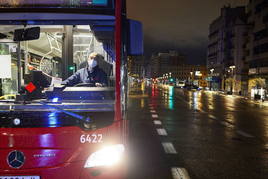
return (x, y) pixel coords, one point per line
(98, 85)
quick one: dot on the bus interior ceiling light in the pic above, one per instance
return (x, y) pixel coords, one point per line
(107, 156)
(83, 27)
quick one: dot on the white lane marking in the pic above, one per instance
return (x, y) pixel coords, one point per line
(223, 123)
(154, 116)
(153, 111)
(179, 173)
(152, 108)
(169, 148)
(202, 111)
(157, 122)
(242, 133)
(212, 116)
(266, 146)
(162, 132)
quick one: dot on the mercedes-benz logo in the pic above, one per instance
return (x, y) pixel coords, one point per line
(15, 159)
(16, 121)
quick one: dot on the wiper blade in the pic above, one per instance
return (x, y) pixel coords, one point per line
(77, 116)
(6, 101)
(15, 102)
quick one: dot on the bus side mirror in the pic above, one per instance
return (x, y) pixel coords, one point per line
(135, 38)
(26, 34)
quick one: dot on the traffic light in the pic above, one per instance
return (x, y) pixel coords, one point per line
(171, 80)
(71, 68)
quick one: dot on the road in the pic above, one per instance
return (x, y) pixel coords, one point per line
(175, 133)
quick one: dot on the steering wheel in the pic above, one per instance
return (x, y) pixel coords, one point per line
(85, 85)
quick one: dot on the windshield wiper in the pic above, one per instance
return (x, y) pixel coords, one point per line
(15, 102)
(77, 116)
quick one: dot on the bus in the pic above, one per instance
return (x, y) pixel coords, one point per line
(50, 130)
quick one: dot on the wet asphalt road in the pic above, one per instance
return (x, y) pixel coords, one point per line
(209, 135)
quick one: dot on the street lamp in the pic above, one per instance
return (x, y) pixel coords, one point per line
(232, 68)
(211, 72)
(191, 80)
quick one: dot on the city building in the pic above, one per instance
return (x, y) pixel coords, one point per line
(191, 74)
(226, 51)
(136, 66)
(257, 47)
(171, 67)
(163, 63)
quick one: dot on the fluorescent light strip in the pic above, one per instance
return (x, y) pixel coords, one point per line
(83, 35)
(81, 45)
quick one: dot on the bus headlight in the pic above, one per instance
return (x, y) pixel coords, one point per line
(107, 156)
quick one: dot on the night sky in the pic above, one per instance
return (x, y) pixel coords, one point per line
(177, 24)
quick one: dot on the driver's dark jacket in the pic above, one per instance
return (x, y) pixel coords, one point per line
(84, 76)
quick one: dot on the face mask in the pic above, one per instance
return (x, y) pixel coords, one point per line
(92, 64)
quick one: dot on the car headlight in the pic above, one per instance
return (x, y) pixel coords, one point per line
(107, 156)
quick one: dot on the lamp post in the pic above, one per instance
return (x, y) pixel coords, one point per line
(191, 78)
(232, 68)
(211, 82)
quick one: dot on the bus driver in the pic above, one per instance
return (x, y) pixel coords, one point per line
(91, 74)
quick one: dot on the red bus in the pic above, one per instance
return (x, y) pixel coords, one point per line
(49, 129)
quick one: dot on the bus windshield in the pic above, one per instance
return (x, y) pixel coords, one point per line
(65, 77)
(56, 3)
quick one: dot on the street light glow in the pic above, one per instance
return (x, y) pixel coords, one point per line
(232, 67)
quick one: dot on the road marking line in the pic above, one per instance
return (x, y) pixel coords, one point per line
(157, 122)
(266, 146)
(153, 111)
(179, 173)
(152, 108)
(202, 111)
(154, 116)
(162, 132)
(223, 123)
(211, 116)
(169, 148)
(244, 134)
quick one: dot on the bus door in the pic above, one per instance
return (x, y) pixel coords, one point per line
(8, 69)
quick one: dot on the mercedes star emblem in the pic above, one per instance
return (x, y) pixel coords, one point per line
(15, 159)
(16, 121)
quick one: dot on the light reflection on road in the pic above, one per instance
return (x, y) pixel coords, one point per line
(210, 122)
(171, 98)
(142, 103)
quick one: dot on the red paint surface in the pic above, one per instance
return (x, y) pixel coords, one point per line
(118, 46)
(63, 143)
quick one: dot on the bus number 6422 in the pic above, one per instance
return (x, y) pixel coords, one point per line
(91, 138)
